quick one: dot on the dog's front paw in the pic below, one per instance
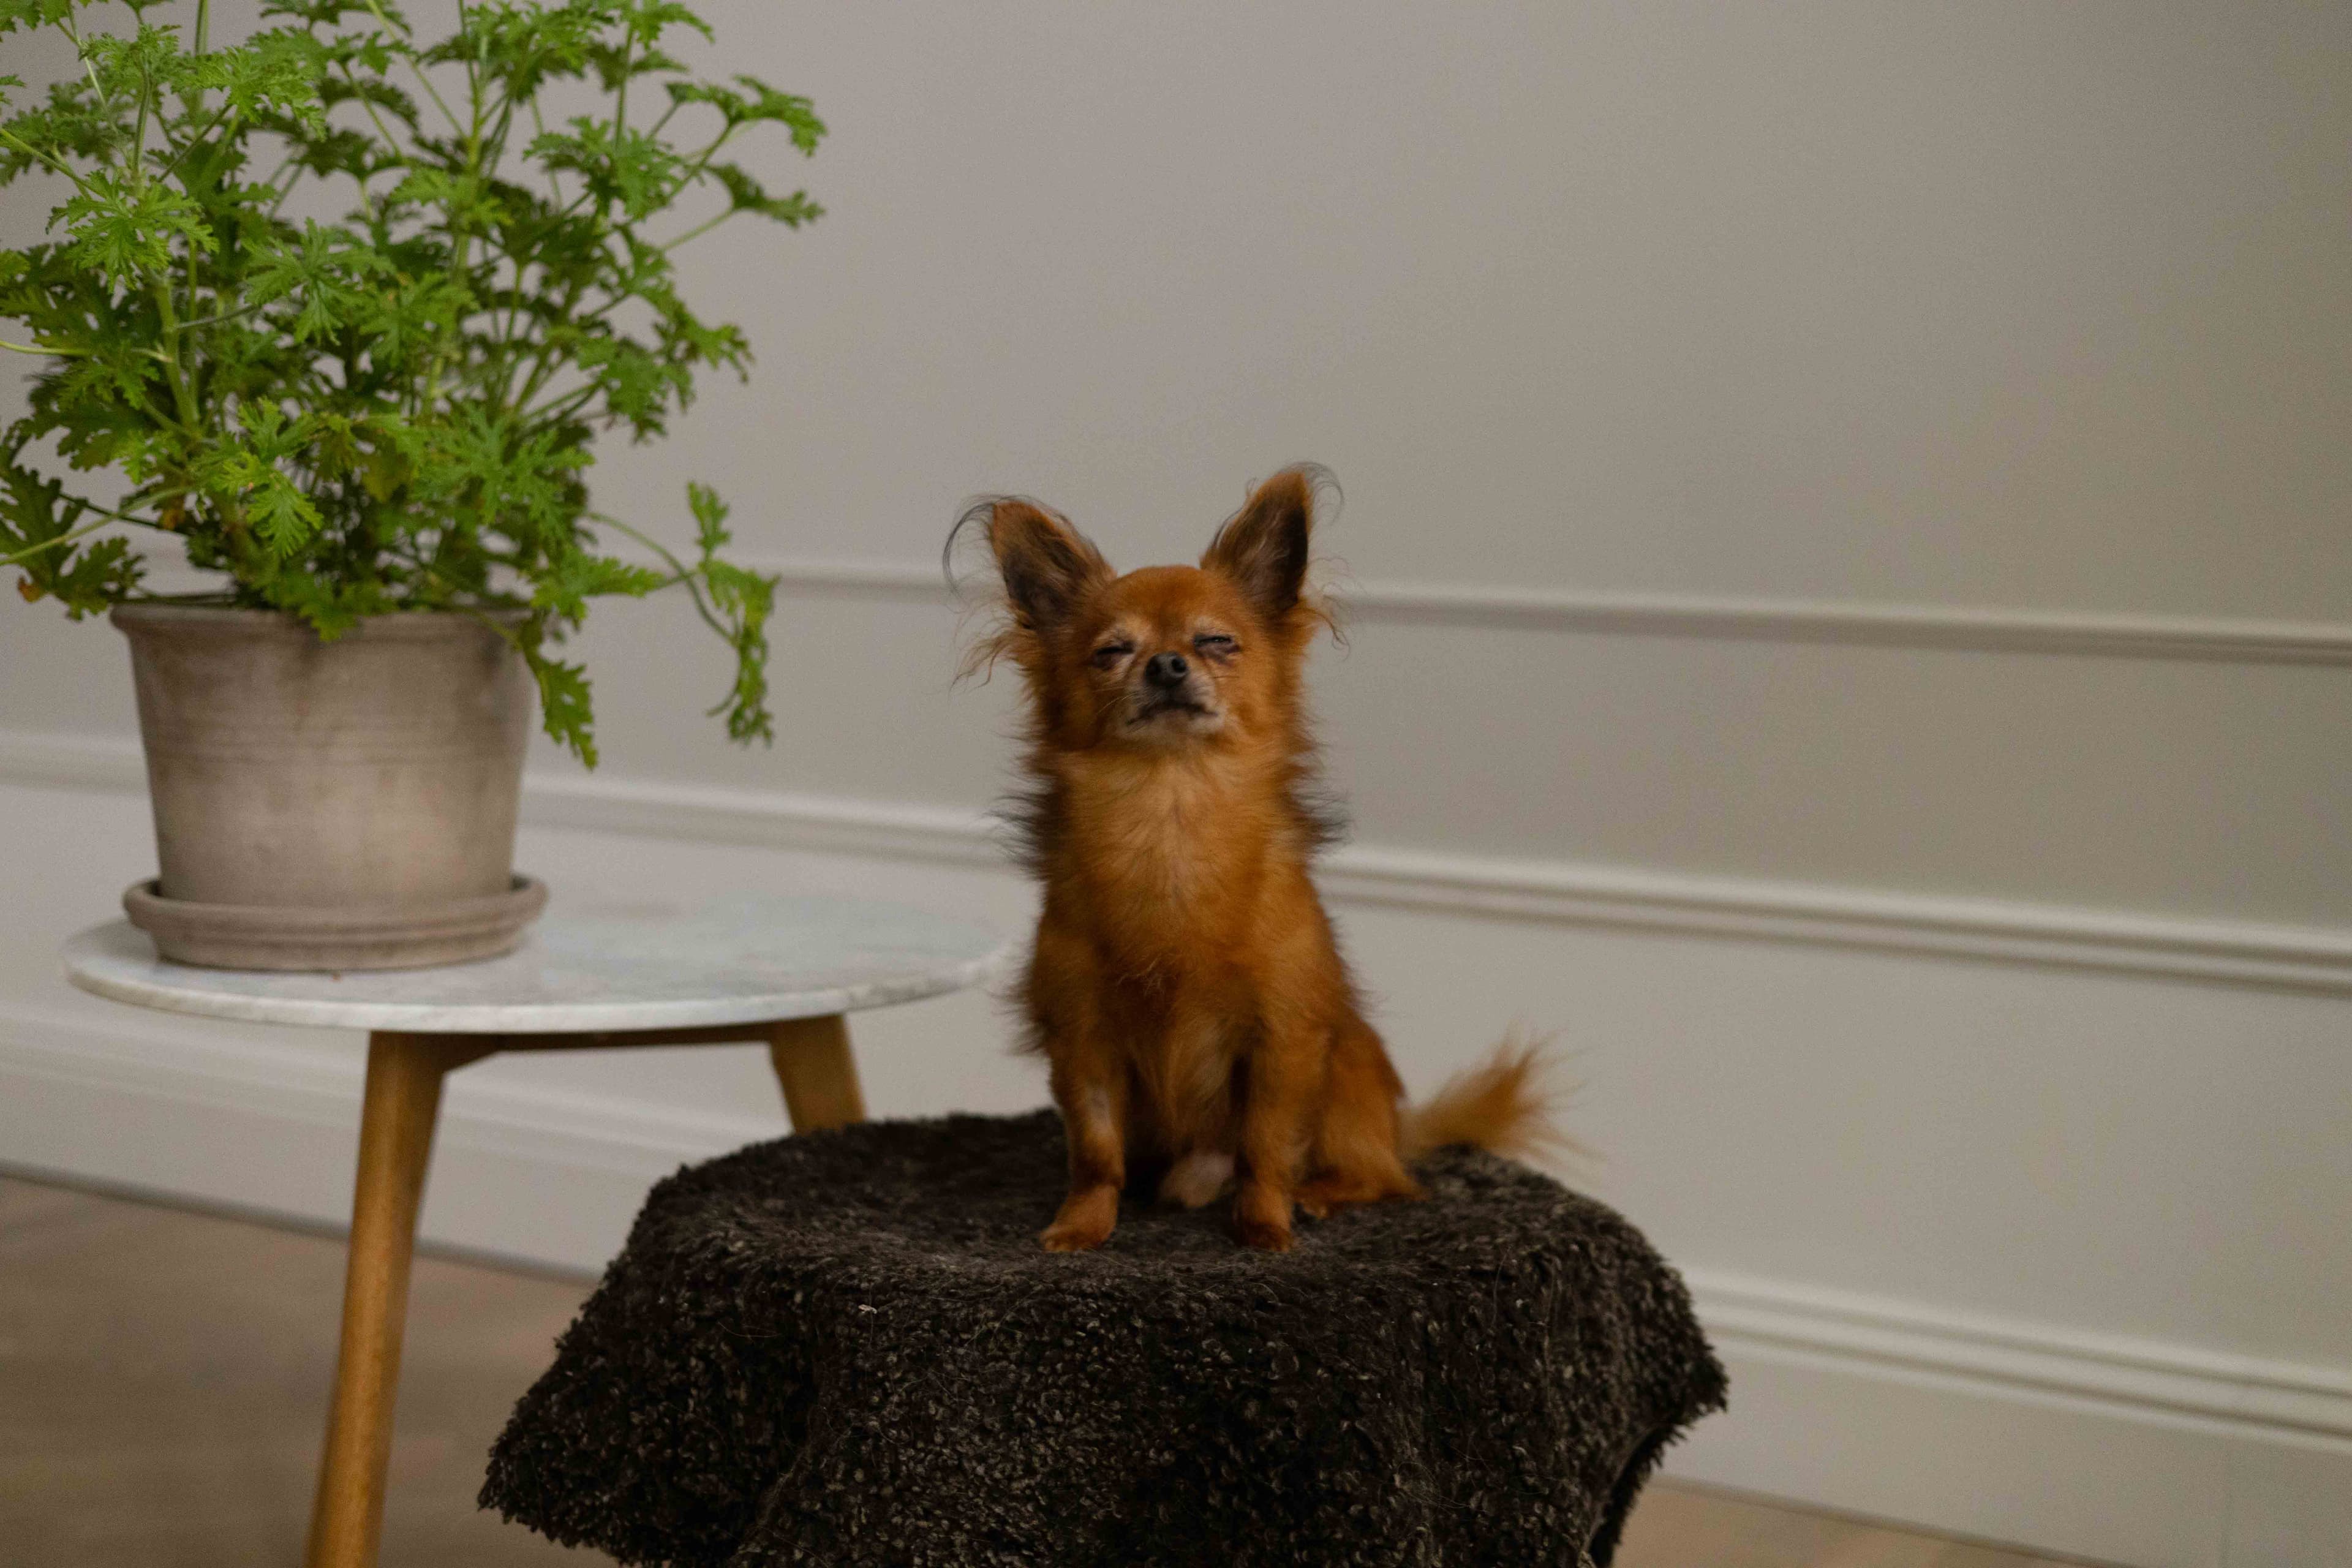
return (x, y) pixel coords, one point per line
(1058, 1238)
(1263, 1238)
(1262, 1218)
(1085, 1222)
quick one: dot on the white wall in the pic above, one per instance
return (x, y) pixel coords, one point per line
(1848, 510)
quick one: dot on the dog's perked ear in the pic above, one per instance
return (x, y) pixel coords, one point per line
(1263, 547)
(1048, 567)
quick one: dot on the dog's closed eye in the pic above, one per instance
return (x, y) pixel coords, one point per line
(1215, 645)
(1110, 652)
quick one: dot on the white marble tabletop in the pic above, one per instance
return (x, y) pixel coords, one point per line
(751, 959)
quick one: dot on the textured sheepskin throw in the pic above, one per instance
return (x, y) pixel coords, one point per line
(848, 1349)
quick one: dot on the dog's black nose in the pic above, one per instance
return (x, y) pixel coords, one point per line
(1167, 669)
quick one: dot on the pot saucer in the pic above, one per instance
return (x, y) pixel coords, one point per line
(385, 936)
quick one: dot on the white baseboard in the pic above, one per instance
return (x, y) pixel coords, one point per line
(2125, 1450)
(2066, 1475)
(1631, 897)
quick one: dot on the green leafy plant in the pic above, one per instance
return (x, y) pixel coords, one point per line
(344, 310)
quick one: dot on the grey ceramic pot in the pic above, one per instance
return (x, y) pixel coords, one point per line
(340, 804)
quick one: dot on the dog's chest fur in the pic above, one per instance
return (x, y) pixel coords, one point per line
(1171, 856)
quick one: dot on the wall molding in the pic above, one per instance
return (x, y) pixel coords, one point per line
(198, 1067)
(2312, 958)
(1960, 629)
(196, 1076)
(2152, 1380)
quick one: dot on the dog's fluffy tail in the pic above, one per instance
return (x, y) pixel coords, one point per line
(1506, 1105)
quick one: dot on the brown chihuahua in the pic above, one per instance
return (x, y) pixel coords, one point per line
(1202, 1027)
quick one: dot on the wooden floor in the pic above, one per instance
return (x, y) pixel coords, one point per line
(163, 1380)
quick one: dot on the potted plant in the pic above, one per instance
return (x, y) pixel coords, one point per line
(343, 309)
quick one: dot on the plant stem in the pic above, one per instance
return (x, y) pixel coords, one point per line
(30, 151)
(685, 575)
(64, 25)
(218, 316)
(182, 398)
(417, 71)
(697, 231)
(139, 137)
(563, 407)
(108, 518)
(197, 136)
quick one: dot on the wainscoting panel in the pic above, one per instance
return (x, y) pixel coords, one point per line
(1993, 1239)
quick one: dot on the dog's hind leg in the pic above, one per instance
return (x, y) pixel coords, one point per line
(1355, 1158)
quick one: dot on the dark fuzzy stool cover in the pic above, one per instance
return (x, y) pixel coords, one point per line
(848, 1349)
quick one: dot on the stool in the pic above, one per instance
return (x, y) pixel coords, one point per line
(848, 1349)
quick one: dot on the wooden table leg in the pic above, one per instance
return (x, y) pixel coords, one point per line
(403, 1096)
(819, 1075)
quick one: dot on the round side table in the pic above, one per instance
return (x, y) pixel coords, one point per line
(777, 970)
